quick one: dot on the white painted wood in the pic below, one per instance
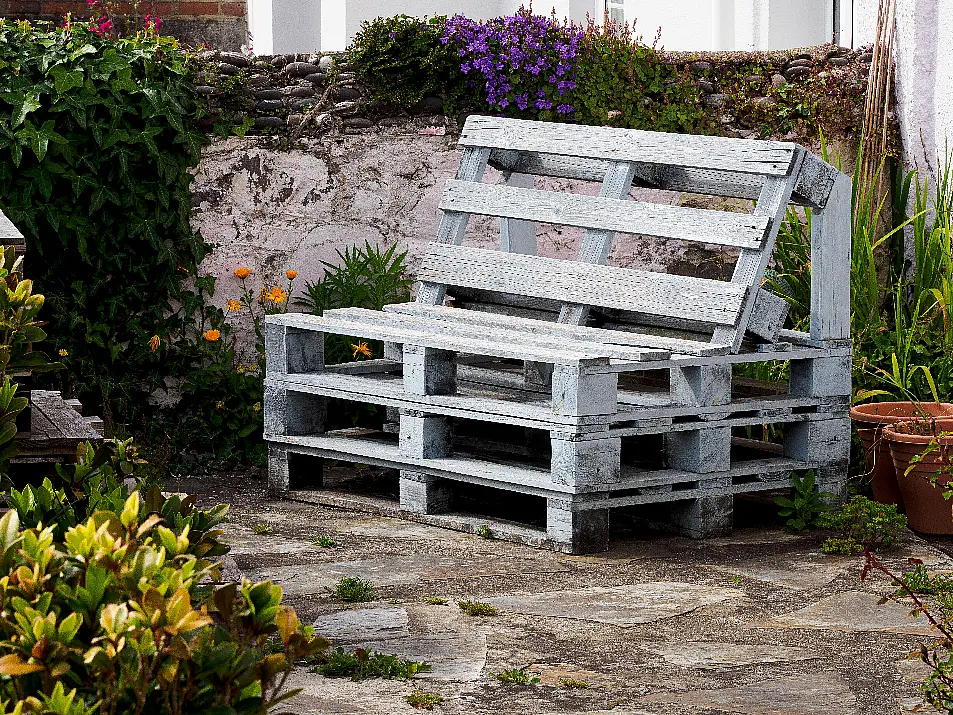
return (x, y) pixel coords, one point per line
(608, 214)
(453, 224)
(830, 264)
(740, 155)
(475, 345)
(749, 270)
(768, 315)
(483, 319)
(9, 234)
(813, 184)
(518, 236)
(539, 341)
(700, 299)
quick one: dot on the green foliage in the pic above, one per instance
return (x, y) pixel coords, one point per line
(325, 542)
(864, 523)
(842, 547)
(95, 151)
(807, 504)
(263, 529)
(354, 589)
(622, 82)
(423, 701)
(478, 608)
(113, 617)
(484, 532)
(920, 580)
(400, 59)
(362, 663)
(517, 676)
(436, 601)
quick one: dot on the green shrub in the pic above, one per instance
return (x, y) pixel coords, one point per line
(920, 580)
(118, 616)
(354, 590)
(423, 701)
(863, 523)
(400, 59)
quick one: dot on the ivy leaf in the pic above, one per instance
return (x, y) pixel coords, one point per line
(65, 79)
(30, 103)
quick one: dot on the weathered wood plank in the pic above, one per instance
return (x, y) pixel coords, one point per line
(518, 236)
(471, 345)
(700, 299)
(813, 183)
(540, 340)
(580, 333)
(751, 265)
(453, 224)
(830, 265)
(607, 214)
(768, 315)
(725, 154)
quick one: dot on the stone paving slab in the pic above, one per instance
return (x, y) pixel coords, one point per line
(363, 624)
(620, 605)
(711, 656)
(317, 578)
(796, 695)
(801, 571)
(854, 611)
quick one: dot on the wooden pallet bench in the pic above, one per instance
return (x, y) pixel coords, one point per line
(57, 428)
(591, 386)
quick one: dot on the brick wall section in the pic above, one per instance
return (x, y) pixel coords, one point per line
(215, 23)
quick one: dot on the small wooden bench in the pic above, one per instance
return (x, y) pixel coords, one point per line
(627, 373)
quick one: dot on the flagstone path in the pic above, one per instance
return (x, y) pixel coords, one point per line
(758, 623)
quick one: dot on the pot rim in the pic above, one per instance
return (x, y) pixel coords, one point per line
(858, 413)
(893, 435)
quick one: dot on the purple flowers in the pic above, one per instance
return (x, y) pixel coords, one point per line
(519, 57)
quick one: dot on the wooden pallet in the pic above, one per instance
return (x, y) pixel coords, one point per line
(589, 358)
(57, 427)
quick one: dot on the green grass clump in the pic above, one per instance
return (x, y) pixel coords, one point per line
(354, 590)
(325, 542)
(264, 529)
(436, 601)
(361, 664)
(422, 700)
(484, 532)
(478, 608)
(517, 676)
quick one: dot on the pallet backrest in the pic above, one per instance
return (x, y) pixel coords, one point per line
(775, 173)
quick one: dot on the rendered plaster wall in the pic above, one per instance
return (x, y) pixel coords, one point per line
(273, 210)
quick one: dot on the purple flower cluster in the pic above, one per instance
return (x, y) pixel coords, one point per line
(525, 60)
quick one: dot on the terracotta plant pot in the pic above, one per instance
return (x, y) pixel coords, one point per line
(871, 420)
(923, 485)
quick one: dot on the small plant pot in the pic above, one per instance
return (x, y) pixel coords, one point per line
(922, 483)
(871, 419)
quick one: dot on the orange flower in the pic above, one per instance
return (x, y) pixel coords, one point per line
(242, 272)
(291, 275)
(276, 295)
(64, 352)
(362, 349)
(212, 335)
(154, 343)
(233, 304)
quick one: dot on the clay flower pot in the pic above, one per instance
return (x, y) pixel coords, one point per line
(871, 419)
(922, 483)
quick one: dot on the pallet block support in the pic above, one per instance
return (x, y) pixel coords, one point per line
(288, 471)
(576, 532)
(424, 494)
(703, 518)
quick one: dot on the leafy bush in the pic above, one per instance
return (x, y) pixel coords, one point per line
(95, 151)
(400, 59)
(423, 701)
(478, 608)
(116, 616)
(863, 523)
(920, 580)
(806, 506)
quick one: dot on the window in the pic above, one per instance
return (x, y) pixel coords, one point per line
(616, 11)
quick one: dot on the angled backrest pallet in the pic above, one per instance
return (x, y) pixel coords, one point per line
(573, 366)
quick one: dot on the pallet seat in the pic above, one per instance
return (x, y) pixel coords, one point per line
(591, 386)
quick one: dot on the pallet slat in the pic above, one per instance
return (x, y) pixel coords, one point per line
(620, 215)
